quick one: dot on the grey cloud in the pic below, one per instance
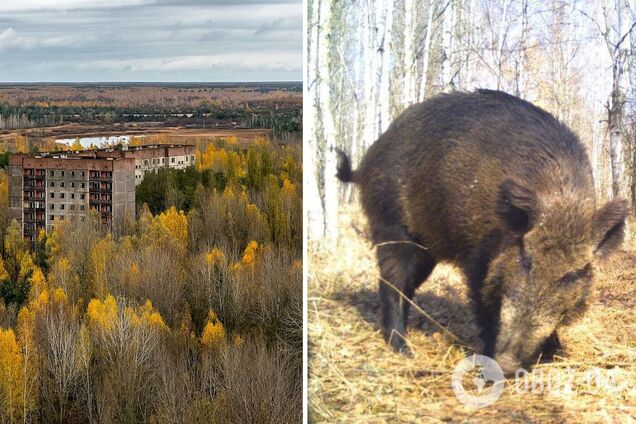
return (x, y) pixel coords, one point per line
(169, 40)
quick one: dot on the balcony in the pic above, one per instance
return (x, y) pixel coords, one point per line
(33, 198)
(100, 178)
(34, 185)
(31, 210)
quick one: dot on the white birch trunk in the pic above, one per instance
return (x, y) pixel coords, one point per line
(313, 207)
(409, 94)
(500, 43)
(427, 49)
(384, 118)
(447, 46)
(370, 72)
(327, 119)
(521, 71)
(355, 121)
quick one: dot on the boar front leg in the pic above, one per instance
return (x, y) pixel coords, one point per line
(403, 267)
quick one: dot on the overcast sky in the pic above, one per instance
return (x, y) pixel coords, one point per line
(150, 40)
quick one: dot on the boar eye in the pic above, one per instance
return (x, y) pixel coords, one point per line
(573, 276)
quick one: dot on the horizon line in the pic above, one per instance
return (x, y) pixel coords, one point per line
(150, 82)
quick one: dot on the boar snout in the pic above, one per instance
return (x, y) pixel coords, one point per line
(509, 365)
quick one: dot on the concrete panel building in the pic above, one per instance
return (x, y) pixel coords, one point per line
(57, 186)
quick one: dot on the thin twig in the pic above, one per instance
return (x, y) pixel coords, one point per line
(385, 243)
(423, 312)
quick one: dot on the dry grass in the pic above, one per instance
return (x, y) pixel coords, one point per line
(354, 377)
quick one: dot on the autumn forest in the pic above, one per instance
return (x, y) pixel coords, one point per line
(192, 312)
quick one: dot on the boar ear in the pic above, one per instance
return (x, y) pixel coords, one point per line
(609, 226)
(516, 206)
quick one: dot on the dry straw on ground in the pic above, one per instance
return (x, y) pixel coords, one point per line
(354, 377)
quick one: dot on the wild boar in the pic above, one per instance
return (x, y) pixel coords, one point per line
(503, 190)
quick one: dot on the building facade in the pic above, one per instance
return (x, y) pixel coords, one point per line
(48, 187)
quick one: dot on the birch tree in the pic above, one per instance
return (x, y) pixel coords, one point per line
(369, 60)
(326, 108)
(617, 35)
(314, 211)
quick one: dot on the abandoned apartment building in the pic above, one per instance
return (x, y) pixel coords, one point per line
(56, 186)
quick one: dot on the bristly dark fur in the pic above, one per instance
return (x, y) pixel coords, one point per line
(345, 173)
(466, 176)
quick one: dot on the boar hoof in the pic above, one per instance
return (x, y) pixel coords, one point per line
(398, 343)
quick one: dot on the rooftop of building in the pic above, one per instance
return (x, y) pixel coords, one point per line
(108, 153)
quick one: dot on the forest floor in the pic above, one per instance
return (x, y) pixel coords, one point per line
(355, 377)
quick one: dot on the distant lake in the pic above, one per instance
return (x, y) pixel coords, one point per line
(87, 142)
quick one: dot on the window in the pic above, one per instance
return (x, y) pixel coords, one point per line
(82, 185)
(72, 195)
(61, 217)
(72, 207)
(52, 217)
(81, 207)
(52, 207)
(72, 185)
(61, 183)
(187, 159)
(61, 195)
(52, 195)
(62, 173)
(145, 162)
(82, 173)
(52, 184)
(82, 196)
(62, 206)
(192, 158)
(72, 173)
(51, 173)
(172, 160)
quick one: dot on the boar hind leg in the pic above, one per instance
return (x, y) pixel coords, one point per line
(403, 268)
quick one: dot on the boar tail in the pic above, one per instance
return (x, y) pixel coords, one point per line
(345, 173)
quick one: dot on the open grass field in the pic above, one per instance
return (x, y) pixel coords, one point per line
(355, 377)
(50, 134)
(148, 134)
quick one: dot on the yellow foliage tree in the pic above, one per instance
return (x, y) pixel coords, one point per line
(11, 387)
(38, 283)
(213, 335)
(172, 227)
(102, 314)
(101, 253)
(250, 255)
(215, 258)
(4, 195)
(77, 145)
(30, 359)
(3, 272)
(151, 317)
